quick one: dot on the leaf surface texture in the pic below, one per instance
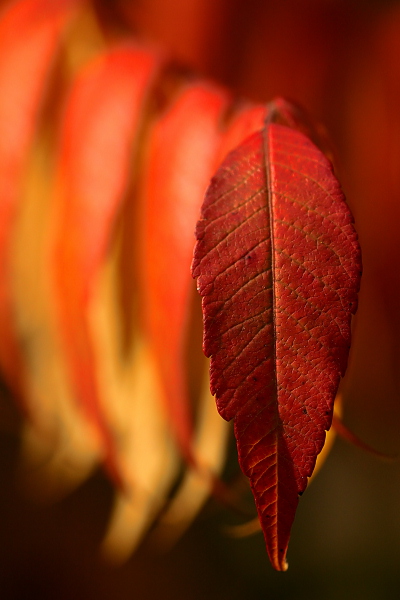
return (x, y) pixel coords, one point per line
(278, 265)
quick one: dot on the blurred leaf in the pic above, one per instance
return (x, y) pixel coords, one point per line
(29, 37)
(100, 126)
(180, 158)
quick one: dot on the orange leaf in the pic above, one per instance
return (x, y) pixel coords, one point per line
(182, 151)
(25, 61)
(99, 132)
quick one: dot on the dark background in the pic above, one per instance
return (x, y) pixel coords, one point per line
(345, 543)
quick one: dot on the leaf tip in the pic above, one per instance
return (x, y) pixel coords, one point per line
(280, 563)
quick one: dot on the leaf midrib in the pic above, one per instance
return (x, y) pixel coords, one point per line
(268, 175)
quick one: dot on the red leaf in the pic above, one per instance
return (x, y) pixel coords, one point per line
(100, 126)
(181, 157)
(25, 61)
(247, 120)
(278, 267)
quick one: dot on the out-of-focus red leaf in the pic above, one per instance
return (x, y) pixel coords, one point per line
(278, 265)
(29, 36)
(245, 121)
(181, 157)
(99, 130)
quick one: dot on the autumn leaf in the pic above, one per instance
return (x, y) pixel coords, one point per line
(278, 266)
(181, 157)
(102, 118)
(25, 62)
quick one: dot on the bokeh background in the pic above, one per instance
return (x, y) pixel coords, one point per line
(340, 59)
